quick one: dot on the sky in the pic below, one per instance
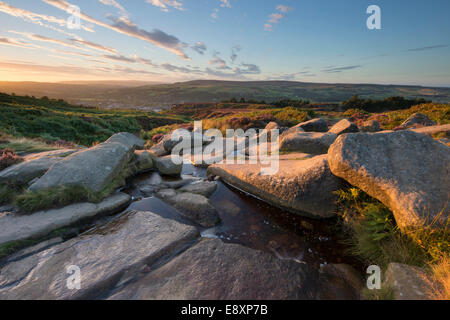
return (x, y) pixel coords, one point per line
(179, 40)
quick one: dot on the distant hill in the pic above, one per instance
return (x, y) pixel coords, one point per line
(113, 94)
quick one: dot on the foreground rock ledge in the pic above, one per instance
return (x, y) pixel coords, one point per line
(407, 171)
(119, 249)
(215, 270)
(305, 187)
(20, 227)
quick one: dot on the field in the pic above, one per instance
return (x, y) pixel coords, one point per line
(134, 95)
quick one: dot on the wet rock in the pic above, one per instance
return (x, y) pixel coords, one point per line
(418, 119)
(218, 271)
(121, 248)
(185, 180)
(408, 282)
(93, 168)
(314, 125)
(407, 171)
(166, 166)
(204, 188)
(305, 187)
(19, 227)
(195, 207)
(370, 126)
(307, 142)
(33, 167)
(34, 249)
(344, 126)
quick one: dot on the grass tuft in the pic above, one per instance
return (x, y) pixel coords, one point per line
(376, 239)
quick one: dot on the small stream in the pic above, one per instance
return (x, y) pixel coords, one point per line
(253, 223)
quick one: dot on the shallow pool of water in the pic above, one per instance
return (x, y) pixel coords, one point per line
(256, 224)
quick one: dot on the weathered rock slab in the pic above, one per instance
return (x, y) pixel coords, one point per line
(218, 271)
(408, 282)
(92, 168)
(307, 142)
(195, 207)
(418, 119)
(103, 256)
(344, 126)
(407, 171)
(20, 227)
(314, 125)
(33, 167)
(305, 187)
(166, 166)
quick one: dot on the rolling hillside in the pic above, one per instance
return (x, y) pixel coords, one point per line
(164, 95)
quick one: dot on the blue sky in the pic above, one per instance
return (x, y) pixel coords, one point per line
(178, 40)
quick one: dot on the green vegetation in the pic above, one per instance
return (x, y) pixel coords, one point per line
(12, 247)
(53, 120)
(391, 103)
(32, 201)
(258, 119)
(376, 238)
(440, 113)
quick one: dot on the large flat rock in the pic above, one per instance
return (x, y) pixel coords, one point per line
(305, 187)
(118, 249)
(218, 271)
(92, 168)
(407, 171)
(20, 227)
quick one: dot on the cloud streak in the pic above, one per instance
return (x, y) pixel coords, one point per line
(125, 26)
(275, 18)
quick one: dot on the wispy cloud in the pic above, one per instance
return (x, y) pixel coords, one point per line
(14, 43)
(199, 47)
(340, 69)
(166, 4)
(125, 26)
(429, 47)
(115, 4)
(275, 18)
(37, 18)
(218, 62)
(234, 52)
(223, 4)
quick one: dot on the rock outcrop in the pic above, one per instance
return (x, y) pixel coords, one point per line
(408, 282)
(119, 249)
(418, 119)
(21, 227)
(33, 167)
(407, 171)
(204, 188)
(307, 142)
(314, 125)
(93, 168)
(305, 187)
(166, 166)
(344, 126)
(195, 207)
(370, 126)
